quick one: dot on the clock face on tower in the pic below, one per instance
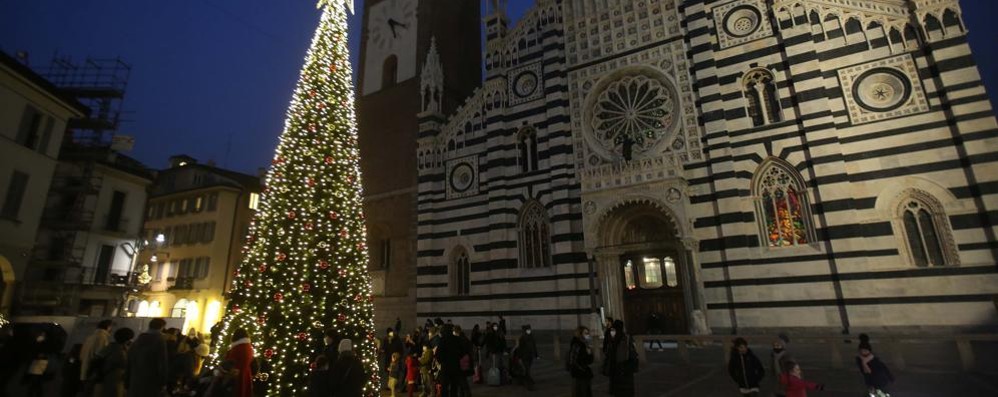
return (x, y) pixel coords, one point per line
(391, 21)
(391, 42)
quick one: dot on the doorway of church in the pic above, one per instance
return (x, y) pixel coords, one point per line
(653, 293)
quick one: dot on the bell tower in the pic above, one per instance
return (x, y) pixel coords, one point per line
(396, 38)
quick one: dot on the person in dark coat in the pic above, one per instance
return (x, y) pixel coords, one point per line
(876, 375)
(449, 355)
(319, 380)
(390, 345)
(745, 368)
(331, 343)
(607, 326)
(114, 362)
(580, 357)
(147, 362)
(526, 350)
(620, 361)
(71, 368)
(347, 374)
(502, 326)
(495, 346)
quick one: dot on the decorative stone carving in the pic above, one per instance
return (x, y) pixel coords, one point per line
(589, 207)
(462, 177)
(883, 89)
(740, 22)
(526, 84)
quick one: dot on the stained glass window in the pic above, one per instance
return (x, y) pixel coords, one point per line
(784, 208)
(922, 235)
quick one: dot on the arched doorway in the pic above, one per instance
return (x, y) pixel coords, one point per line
(645, 269)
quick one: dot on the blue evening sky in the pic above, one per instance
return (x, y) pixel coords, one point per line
(212, 78)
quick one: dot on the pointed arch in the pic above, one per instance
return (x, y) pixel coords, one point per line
(459, 271)
(759, 88)
(526, 142)
(923, 230)
(782, 205)
(535, 236)
(952, 22)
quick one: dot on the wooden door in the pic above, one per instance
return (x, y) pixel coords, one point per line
(653, 283)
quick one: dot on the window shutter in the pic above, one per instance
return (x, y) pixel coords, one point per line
(43, 145)
(15, 195)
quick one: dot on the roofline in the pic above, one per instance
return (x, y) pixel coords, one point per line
(43, 84)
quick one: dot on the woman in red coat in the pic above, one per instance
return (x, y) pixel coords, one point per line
(241, 355)
(795, 384)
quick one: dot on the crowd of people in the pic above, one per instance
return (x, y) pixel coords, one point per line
(438, 359)
(747, 370)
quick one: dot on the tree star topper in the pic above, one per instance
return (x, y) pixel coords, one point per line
(349, 4)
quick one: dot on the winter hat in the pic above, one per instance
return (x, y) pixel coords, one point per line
(346, 345)
(202, 350)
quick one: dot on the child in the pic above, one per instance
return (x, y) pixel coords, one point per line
(393, 379)
(875, 374)
(425, 371)
(792, 380)
(411, 371)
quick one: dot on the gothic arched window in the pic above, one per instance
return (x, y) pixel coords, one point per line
(760, 93)
(535, 236)
(389, 71)
(461, 272)
(526, 142)
(924, 230)
(783, 208)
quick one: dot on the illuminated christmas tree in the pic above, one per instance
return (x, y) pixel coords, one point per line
(305, 266)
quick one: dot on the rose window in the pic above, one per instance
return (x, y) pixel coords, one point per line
(636, 111)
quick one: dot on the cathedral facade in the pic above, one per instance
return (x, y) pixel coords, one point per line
(726, 164)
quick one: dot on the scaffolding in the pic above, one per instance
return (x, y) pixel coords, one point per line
(100, 84)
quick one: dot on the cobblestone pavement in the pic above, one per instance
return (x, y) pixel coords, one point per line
(930, 372)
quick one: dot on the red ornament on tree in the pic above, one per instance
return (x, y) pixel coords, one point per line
(306, 287)
(268, 353)
(263, 268)
(311, 127)
(236, 309)
(344, 233)
(341, 317)
(311, 182)
(329, 159)
(279, 297)
(262, 319)
(323, 264)
(302, 336)
(308, 226)
(291, 215)
(281, 257)
(333, 215)
(247, 283)
(343, 272)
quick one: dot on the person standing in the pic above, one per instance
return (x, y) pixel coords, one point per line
(411, 372)
(495, 345)
(793, 381)
(241, 354)
(347, 374)
(620, 361)
(876, 375)
(391, 345)
(319, 379)
(330, 344)
(580, 357)
(147, 362)
(527, 350)
(425, 366)
(394, 372)
(745, 368)
(95, 342)
(71, 381)
(110, 381)
(778, 362)
(449, 355)
(502, 326)
(654, 327)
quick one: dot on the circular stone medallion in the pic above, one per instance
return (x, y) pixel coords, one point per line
(525, 84)
(882, 89)
(742, 21)
(461, 177)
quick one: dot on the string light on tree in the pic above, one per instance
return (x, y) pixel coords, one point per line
(305, 259)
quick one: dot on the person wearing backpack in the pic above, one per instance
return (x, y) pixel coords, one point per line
(580, 357)
(621, 361)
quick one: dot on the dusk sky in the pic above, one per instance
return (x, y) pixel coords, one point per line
(212, 78)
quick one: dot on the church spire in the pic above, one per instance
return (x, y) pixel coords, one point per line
(432, 80)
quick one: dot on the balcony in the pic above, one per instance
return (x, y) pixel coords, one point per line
(115, 224)
(183, 283)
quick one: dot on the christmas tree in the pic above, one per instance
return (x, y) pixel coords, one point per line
(305, 266)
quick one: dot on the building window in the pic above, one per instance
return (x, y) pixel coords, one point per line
(629, 275)
(651, 275)
(925, 230)
(760, 93)
(671, 278)
(209, 232)
(198, 204)
(527, 144)
(386, 253)
(782, 205)
(28, 134)
(461, 273)
(212, 202)
(15, 195)
(254, 201)
(389, 72)
(114, 220)
(535, 236)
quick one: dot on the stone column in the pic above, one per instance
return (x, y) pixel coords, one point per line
(609, 281)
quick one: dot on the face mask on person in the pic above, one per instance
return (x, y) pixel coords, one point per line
(527, 331)
(495, 328)
(777, 350)
(457, 334)
(391, 334)
(587, 337)
(613, 333)
(40, 338)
